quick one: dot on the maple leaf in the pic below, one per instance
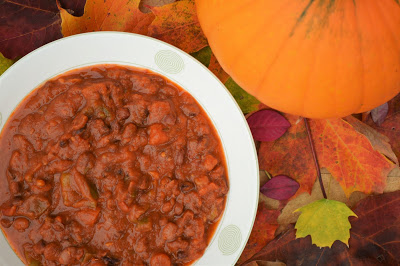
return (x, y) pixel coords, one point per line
(263, 231)
(177, 24)
(325, 221)
(374, 239)
(112, 15)
(27, 25)
(4, 63)
(344, 152)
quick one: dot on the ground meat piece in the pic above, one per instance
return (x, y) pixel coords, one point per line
(158, 111)
(157, 135)
(160, 259)
(70, 255)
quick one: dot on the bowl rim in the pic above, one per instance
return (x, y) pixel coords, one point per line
(181, 52)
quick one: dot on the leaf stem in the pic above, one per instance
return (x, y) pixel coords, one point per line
(314, 153)
(268, 175)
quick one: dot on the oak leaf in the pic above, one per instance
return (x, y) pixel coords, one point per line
(110, 15)
(374, 239)
(27, 25)
(177, 24)
(344, 152)
(325, 221)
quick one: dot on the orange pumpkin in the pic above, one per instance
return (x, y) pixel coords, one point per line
(314, 58)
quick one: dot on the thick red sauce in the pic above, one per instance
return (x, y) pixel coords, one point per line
(109, 165)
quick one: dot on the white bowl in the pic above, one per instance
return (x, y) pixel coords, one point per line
(141, 51)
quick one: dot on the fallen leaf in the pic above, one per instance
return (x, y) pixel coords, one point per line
(290, 155)
(379, 113)
(218, 71)
(393, 181)
(390, 127)
(333, 190)
(247, 103)
(145, 4)
(75, 7)
(280, 187)
(325, 221)
(4, 63)
(267, 125)
(345, 153)
(263, 231)
(374, 239)
(266, 263)
(379, 141)
(203, 55)
(27, 25)
(110, 15)
(177, 24)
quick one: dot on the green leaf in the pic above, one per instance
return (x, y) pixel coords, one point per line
(247, 102)
(203, 55)
(325, 221)
(4, 63)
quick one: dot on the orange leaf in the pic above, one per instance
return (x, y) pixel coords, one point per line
(112, 15)
(263, 232)
(177, 24)
(347, 155)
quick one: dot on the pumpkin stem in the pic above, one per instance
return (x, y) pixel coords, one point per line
(314, 153)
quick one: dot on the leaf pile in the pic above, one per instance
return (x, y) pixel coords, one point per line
(344, 152)
(374, 239)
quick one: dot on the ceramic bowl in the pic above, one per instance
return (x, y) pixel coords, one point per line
(135, 50)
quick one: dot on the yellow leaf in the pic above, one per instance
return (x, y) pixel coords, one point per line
(325, 221)
(4, 63)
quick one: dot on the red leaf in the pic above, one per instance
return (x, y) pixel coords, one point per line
(379, 113)
(27, 25)
(280, 187)
(267, 125)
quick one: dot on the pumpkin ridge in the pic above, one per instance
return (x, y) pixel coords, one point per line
(362, 96)
(301, 17)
